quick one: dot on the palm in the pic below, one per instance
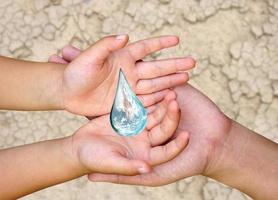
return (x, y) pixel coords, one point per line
(147, 147)
(98, 93)
(207, 127)
(90, 81)
(137, 147)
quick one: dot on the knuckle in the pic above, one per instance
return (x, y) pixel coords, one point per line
(145, 47)
(143, 99)
(145, 86)
(160, 43)
(150, 138)
(140, 74)
(176, 64)
(152, 86)
(139, 86)
(165, 151)
(158, 69)
(130, 54)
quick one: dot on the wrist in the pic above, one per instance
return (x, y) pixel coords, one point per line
(217, 146)
(229, 151)
(57, 81)
(69, 148)
(249, 162)
(50, 87)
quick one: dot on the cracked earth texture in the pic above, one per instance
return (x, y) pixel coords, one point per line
(234, 41)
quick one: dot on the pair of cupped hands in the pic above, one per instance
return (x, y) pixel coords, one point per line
(88, 87)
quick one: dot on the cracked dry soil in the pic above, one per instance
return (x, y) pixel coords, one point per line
(234, 41)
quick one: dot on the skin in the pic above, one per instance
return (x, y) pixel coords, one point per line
(86, 86)
(102, 63)
(218, 148)
(82, 86)
(94, 148)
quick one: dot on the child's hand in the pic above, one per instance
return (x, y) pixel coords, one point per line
(100, 150)
(90, 80)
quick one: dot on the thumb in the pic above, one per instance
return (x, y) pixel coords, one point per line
(97, 53)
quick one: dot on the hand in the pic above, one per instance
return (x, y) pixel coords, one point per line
(89, 81)
(218, 148)
(208, 128)
(100, 150)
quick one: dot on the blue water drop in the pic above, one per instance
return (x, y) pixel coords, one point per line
(128, 116)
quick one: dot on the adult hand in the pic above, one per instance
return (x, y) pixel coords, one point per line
(208, 128)
(218, 148)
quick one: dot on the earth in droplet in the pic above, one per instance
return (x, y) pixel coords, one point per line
(128, 116)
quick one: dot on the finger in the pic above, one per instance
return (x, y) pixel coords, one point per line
(97, 53)
(150, 179)
(70, 52)
(163, 131)
(153, 69)
(124, 166)
(151, 109)
(153, 98)
(161, 83)
(57, 59)
(140, 49)
(161, 154)
(113, 178)
(160, 110)
(160, 175)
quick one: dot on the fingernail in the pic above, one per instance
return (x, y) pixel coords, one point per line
(143, 170)
(121, 37)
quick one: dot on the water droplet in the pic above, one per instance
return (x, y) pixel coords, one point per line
(128, 116)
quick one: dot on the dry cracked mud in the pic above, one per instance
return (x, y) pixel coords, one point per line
(234, 41)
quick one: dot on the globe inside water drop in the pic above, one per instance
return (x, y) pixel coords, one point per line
(128, 116)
